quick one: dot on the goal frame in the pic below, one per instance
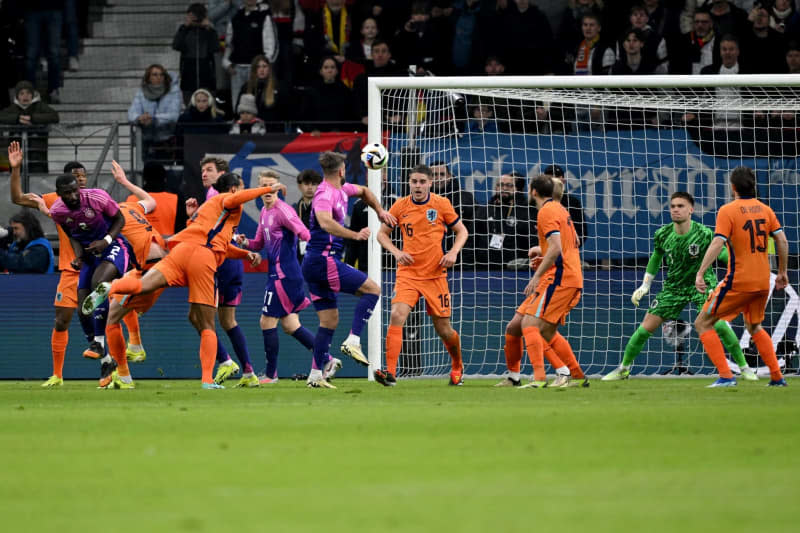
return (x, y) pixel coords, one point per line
(374, 132)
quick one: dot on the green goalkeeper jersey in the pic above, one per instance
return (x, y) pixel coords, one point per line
(682, 255)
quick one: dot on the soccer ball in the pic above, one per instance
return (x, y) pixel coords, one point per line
(375, 156)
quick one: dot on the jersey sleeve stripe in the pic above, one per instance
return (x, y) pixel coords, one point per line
(453, 223)
(554, 232)
(776, 231)
(721, 236)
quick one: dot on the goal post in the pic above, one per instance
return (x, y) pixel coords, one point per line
(625, 144)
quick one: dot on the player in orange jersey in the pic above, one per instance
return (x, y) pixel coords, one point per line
(555, 287)
(571, 373)
(195, 254)
(66, 300)
(422, 269)
(743, 226)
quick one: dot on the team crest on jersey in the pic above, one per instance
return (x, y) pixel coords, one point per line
(89, 212)
(431, 215)
(694, 249)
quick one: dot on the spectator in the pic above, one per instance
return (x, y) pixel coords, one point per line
(481, 115)
(793, 57)
(593, 56)
(248, 123)
(465, 53)
(781, 14)
(168, 217)
(362, 52)
(327, 32)
(505, 232)
(728, 19)
(381, 65)
(201, 117)
(445, 184)
(307, 182)
(571, 202)
(632, 60)
(290, 23)
(494, 66)
(220, 12)
(695, 50)
(721, 119)
(43, 20)
(72, 27)
(28, 110)
(271, 96)
(763, 48)
(250, 33)
(418, 43)
(197, 42)
(526, 39)
(155, 109)
(654, 47)
(30, 252)
(330, 101)
(571, 29)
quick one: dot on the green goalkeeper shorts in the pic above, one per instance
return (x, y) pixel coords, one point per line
(669, 304)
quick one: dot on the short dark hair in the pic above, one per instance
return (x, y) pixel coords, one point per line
(743, 180)
(592, 15)
(683, 194)
(543, 185)
(376, 42)
(636, 31)
(221, 164)
(309, 175)
(64, 180)
(440, 163)
(331, 161)
(421, 169)
(638, 7)
(226, 181)
(69, 167)
(731, 38)
(519, 179)
(33, 229)
(198, 10)
(793, 46)
(554, 170)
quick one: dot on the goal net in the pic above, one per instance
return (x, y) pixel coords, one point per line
(624, 144)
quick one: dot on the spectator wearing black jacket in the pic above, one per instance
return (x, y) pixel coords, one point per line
(29, 252)
(763, 48)
(330, 101)
(197, 42)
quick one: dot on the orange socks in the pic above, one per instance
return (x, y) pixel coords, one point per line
(716, 353)
(513, 350)
(132, 323)
(394, 343)
(765, 349)
(561, 346)
(453, 345)
(116, 347)
(535, 344)
(58, 343)
(208, 354)
(126, 285)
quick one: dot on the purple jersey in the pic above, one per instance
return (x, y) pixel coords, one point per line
(211, 193)
(333, 200)
(89, 222)
(278, 229)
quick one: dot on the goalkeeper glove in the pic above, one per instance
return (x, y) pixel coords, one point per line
(643, 289)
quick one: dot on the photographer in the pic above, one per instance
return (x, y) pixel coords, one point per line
(28, 252)
(197, 42)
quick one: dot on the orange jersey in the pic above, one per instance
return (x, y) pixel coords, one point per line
(139, 232)
(745, 224)
(162, 218)
(213, 224)
(566, 271)
(423, 226)
(65, 252)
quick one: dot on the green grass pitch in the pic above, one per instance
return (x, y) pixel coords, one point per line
(643, 456)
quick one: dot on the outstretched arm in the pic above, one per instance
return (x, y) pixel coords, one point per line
(147, 201)
(384, 216)
(236, 199)
(15, 185)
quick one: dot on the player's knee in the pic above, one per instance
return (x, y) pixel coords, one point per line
(514, 327)
(370, 287)
(398, 317)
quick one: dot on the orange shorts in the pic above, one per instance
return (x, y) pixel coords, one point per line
(191, 265)
(552, 303)
(523, 307)
(435, 291)
(67, 291)
(141, 303)
(726, 304)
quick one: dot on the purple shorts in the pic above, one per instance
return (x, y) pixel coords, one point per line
(118, 253)
(283, 297)
(229, 282)
(327, 276)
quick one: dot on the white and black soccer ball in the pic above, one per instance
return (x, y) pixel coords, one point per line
(375, 156)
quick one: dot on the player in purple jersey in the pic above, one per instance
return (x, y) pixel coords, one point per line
(229, 286)
(93, 221)
(279, 226)
(324, 270)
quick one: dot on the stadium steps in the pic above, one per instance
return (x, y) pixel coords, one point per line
(127, 37)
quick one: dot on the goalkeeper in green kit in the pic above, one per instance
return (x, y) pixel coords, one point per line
(682, 245)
